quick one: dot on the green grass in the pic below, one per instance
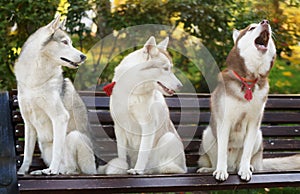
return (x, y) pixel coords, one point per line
(285, 78)
(286, 190)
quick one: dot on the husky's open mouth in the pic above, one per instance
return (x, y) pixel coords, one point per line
(167, 90)
(70, 62)
(261, 42)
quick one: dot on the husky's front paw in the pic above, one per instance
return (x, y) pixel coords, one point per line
(204, 170)
(221, 175)
(245, 173)
(135, 171)
(46, 171)
(36, 172)
(22, 171)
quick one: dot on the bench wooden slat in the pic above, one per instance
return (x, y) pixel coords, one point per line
(281, 117)
(204, 117)
(173, 103)
(153, 183)
(279, 103)
(192, 101)
(100, 100)
(191, 159)
(282, 144)
(104, 131)
(281, 131)
(104, 117)
(189, 117)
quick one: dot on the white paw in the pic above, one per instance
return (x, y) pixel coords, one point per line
(70, 171)
(22, 170)
(245, 174)
(135, 171)
(36, 172)
(204, 170)
(221, 175)
(46, 171)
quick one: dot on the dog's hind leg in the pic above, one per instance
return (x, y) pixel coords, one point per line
(205, 164)
(208, 152)
(169, 152)
(79, 156)
(121, 142)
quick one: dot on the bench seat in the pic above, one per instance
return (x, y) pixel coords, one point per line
(190, 113)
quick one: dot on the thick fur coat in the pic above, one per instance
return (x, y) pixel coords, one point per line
(233, 140)
(147, 140)
(53, 112)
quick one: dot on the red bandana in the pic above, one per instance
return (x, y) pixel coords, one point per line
(248, 85)
(109, 88)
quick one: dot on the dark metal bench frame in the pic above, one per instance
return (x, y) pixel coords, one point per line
(281, 124)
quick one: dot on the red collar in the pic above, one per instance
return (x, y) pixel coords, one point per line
(248, 85)
(109, 88)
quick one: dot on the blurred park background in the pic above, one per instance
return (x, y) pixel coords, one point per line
(212, 22)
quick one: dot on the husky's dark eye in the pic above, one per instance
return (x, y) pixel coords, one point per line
(64, 42)
(166, 68)
(252, 28)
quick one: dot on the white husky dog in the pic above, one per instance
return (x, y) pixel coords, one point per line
(143, 127)
(53, 112)
(233, 140)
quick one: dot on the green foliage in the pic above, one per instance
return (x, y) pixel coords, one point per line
(27, 16)
(205, 20)
(284, 78)
(76, 11)
(202, 18)
(210, 21)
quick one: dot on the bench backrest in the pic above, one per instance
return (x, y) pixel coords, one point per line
(190, 114)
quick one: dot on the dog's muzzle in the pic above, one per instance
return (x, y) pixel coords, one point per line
(75, 64)
(261, 42)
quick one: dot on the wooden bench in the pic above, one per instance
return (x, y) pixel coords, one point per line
(190, 114)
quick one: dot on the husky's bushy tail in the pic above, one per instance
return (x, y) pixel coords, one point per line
(115, 166)
(282, 164)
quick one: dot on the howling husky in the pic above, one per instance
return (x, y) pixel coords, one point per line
(233, 140)
(53, 112)
(146, 137)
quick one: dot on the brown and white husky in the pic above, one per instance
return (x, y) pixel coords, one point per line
(233, 140)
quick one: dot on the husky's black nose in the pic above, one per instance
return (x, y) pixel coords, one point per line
(82, 57)
(264, 22)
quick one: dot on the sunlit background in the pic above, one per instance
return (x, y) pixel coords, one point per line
(212, 22)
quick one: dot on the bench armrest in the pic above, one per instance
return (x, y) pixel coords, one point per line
(8, 177)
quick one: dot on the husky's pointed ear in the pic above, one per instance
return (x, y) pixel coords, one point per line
(62, 24)
(150, 46)
(235, 35)
(55, 24)
(164, 44)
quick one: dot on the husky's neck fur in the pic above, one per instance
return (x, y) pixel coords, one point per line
(248, 67)
(46, 72)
